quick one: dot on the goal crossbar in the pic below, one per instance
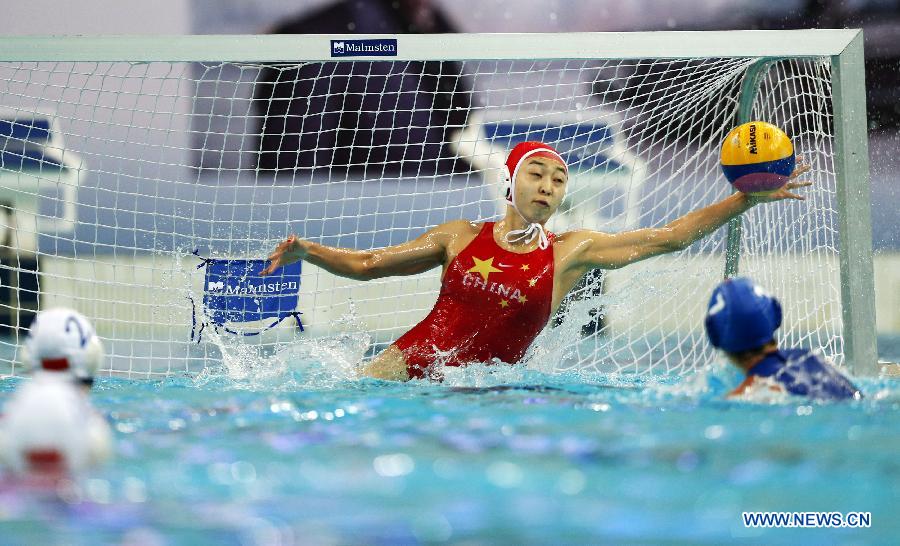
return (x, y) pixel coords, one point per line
(416, 47)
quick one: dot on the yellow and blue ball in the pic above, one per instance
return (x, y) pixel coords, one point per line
(757, 157)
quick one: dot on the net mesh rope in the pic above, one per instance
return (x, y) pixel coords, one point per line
(162, 159)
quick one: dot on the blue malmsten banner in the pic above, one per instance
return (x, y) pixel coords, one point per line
(234, 292)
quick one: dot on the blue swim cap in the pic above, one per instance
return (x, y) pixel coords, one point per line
(741, 316)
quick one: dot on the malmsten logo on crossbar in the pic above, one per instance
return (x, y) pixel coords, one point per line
(382, 47)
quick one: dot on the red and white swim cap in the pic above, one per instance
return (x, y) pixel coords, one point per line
(520, 153)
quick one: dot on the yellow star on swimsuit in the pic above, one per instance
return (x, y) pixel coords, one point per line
(484, 267)
(522, 299)
(504, 304)
(532, 282)
(524, 267)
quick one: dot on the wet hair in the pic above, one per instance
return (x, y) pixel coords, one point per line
(742, 355)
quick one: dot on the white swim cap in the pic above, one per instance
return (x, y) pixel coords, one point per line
(63, 340)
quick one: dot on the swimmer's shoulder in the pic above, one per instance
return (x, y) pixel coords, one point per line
(754, 384)
(460, 227)
(457, 232)
(581, 238)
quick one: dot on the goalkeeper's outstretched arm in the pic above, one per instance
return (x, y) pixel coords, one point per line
(421, 254)
(611, 251)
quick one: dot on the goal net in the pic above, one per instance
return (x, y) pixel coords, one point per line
(128, 184)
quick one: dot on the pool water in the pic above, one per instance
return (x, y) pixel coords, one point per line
(491, 456)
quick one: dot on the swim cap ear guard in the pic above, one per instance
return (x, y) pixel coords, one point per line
(90, 360)
(741, 316)
(506, 182)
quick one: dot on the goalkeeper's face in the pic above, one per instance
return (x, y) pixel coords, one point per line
(540, 188)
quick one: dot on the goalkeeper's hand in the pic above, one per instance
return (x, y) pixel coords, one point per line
(287, 252)
(784, 192)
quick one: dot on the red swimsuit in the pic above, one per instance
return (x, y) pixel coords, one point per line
(492, 305)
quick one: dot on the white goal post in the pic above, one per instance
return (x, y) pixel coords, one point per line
(159, 145)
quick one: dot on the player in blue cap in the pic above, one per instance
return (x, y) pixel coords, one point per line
(741, 320)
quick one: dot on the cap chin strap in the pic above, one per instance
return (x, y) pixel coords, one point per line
(529, 233)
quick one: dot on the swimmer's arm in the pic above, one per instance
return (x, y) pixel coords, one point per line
(592, 249)
(421, 254)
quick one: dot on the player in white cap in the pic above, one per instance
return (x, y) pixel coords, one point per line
(49, 427)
